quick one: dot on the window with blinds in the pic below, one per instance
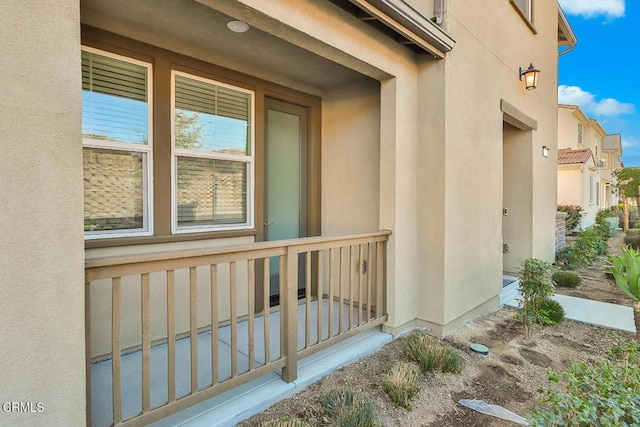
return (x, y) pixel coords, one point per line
(117, 144)
(213, 137)
(525, 8)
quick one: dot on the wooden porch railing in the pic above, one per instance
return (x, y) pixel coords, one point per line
(344, 294)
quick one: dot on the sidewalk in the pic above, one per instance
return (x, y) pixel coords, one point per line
(598, 313)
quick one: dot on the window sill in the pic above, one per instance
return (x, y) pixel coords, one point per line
(149, 240)
(524, 18)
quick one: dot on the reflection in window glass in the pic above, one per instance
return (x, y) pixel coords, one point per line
(211, 118)
(113, 190)
(211, 192)
(114, 99)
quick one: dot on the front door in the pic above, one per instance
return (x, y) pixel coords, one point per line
(286, 181)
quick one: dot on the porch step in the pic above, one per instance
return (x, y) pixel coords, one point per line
(236, 405)
(510, 293)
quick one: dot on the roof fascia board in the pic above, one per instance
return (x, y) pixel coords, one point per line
(565, 28)
(598, 127)
(581, 116)
(411, 24)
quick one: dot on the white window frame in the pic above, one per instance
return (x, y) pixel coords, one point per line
(528, 12)
(145, 149)
(591, 188)
(580, 133)
(248, 159)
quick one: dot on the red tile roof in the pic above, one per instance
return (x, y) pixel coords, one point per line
(567, 156)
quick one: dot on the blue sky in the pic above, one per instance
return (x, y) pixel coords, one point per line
(599, 75)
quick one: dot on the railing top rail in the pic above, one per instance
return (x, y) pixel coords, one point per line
(300, 244)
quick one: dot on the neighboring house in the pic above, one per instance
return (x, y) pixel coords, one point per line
(382, 156)
(577, 182)
(580, 162)
(611, 154)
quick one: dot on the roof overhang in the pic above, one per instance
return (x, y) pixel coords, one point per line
(566, 37)
(580, 115)
(410, 25)
(598, 127)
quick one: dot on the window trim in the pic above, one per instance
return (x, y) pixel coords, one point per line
(249, 161)
(145, 149)
(527, 16)
(580, 133)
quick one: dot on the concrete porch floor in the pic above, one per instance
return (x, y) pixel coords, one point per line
(240, 403)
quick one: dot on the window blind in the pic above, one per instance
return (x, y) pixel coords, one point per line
(114, 99)
(202, 97)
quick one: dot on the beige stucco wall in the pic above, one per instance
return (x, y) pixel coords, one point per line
(568, 128)
(570, 185)
(41, 250)
(351, 147)
(463, 238)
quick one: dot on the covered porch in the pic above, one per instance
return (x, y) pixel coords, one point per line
(150, 345)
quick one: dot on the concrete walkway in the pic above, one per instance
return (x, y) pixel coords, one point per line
(598, 313)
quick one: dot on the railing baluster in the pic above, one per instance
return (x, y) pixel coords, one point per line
(193, 326)
(369, 266)
(379, 279)
(116, 348)
(307, 293)
(251, 284)
(319, 287)
(360, 280)
(352, 263)
(214, 324)
(340, 290)
(282, 286)
(146, 345)
(332, 256)
(266, 293)
(234, 318)
(171, 336)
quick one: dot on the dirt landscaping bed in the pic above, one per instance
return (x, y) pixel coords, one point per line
(509, 376)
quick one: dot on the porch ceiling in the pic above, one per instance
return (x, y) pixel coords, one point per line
(189, 27)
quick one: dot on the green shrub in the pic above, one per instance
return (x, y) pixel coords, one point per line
(574, 215)
(551, 312)
(633, 232)
(349, 408)
(566, 279)
(402, 383)
(287, 422)
(535, 287)
(587, 246)
(594, 394)
(430, 354)
(612, 212)
(632, 240)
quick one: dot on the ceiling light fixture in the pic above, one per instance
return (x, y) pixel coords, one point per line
(238, 26)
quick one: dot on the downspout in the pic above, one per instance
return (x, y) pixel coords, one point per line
(438, 11)
(567, 50)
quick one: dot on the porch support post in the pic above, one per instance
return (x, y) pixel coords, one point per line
(288, 309)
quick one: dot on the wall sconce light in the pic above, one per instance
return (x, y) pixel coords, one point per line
(545, 151)
(530, 77)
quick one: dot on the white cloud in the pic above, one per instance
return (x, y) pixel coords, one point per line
(608, 107)
(592, 8)
(630, 142)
